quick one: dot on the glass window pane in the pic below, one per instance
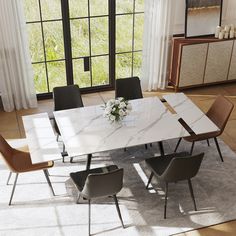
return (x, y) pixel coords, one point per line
(124, 6)
(100, 70)
(124, 32)
(98, 7)
(79, 38)
(81, 77)
(99, 35)
(139, 5)
(51, 9)
(138, 31)
(137, 64)
(54, 42)
(35, 42)
(31, 10)
(123, 65)
(78, 8)
(56, 74)
(40, 79)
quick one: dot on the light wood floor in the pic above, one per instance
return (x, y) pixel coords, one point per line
(11, 127)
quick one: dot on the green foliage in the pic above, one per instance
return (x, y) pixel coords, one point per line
(54, 44)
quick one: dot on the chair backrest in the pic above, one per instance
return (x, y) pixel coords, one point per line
(182, 168)
(220, 112)
(7, 153)
(128, 88)
(67, 97)
(104, 184)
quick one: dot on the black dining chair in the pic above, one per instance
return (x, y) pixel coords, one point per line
(128, 88)
(66, 97)
(99, 182)
(174, 168)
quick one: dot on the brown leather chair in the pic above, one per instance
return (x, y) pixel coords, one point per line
(175, 167)
(20, 162)
(99, 182)
(219, 113)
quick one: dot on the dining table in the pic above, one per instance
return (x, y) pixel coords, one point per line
(85, 130)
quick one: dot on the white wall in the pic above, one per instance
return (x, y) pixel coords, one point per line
(228, 14)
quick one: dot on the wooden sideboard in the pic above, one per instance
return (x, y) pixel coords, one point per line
(202, 61)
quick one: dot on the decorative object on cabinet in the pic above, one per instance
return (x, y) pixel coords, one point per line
(201, 17)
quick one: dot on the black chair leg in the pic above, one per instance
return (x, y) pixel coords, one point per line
(149, 180)
(13, 189)
(218, 148)
(179, 141)
(166, 196)
(192, 195)
(89, 157)
(89, 217)
(48, 180)
(161, 148)
(208, 143)
(118, 210)
(9, 177)
(191, 151)
(146, 146)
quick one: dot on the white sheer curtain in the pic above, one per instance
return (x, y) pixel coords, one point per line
(158, 31)
(16, 74)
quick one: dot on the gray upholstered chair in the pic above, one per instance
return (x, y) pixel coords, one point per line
(218, 113)
(66, 97)
(128, 88)
(173, 168)
(99, 182)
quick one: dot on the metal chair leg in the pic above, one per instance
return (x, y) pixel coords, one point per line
(161, 147)
(118, 210)
(9, 177)
(208, 143)
(89, 216)
(166, 196)
(191, 151)
(149, 180)
(49, 182)
(13, 189)
(179, 141)
(192, 195)
(218, 148)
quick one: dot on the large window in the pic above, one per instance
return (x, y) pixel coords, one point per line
(84, 42)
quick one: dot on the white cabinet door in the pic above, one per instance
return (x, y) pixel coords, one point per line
(192, 64)
(232, 71)
(218, 60)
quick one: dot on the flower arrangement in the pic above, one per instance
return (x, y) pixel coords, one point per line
(116, 109)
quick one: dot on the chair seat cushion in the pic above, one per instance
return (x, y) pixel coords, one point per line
(80, 177)
(159, 164)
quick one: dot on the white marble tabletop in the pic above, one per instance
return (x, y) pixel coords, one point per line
(85, 130)
(190, 113)
(41, 138)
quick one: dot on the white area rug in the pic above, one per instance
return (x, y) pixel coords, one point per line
(36, 212)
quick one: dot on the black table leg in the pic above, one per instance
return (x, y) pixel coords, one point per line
(161, 148)
(89, 157)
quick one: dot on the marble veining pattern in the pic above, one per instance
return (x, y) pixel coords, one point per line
(41, 138)
(190, 113)
(85, 130)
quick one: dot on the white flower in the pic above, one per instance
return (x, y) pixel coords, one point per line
(112, 118)
(110, 103)
(108, 110)
(120, 98)
(122, 105)
(113, 109)
(117, 102)
(121, 112)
